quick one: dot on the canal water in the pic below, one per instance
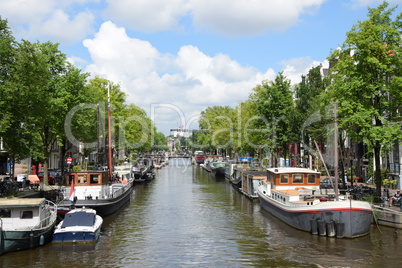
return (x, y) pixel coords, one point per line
(188, 218)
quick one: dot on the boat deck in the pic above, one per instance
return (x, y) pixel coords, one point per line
(289, 192)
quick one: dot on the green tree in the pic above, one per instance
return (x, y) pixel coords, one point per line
(367, 82)
(218, 120)
(135, 130)
(250, 136)
(38, 100)
(274, 102)
(7, 51)
(309, 112)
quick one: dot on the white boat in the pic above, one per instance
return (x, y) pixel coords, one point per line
(26, 223)
(79, 225)
(123, 171)
(293, 196)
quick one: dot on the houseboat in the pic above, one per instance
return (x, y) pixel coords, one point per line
(199, 157)
(250, 181)
(94, 189)
(26, 223)
(293, 196)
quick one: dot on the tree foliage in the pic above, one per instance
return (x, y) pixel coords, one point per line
(367, 81)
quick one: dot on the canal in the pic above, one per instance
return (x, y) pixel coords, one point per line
(188, 218)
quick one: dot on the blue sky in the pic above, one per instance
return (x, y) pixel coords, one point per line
(174, 58)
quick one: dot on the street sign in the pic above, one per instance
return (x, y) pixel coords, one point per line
(69, 160)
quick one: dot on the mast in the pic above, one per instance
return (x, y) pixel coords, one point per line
(109, 134)
(336, 151)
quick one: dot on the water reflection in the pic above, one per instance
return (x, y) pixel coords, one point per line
(185, 217)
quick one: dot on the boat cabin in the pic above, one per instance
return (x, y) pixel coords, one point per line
(87, 178)
(79, 217)
(292, 178)
(199, 157)
(250, 182)
(22, 213)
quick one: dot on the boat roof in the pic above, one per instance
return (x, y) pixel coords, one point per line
(282, 170)
(255, 172)
(88, 171)
(79, 218)
(21, 202)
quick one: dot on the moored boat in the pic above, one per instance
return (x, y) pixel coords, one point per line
(94, 189)
(79, 225)
(199, 157)
(217, 167)
(387, 216)
(142, 170)
(236, 178)
(250, 181)
(231, 165)
(292, 195)
(26, 223)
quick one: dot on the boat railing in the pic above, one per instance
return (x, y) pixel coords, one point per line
(51, 212)
(118, 189)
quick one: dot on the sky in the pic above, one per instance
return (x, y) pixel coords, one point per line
(175, 58)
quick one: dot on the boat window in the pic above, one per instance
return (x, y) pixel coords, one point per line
(79, 218)
(284, 178)
(82, 179)
(5, 213)
(298, 178)
(94, 178)
(26, 214)
(311, 178)
(70, 178)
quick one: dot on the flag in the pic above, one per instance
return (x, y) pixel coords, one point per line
(72, 191)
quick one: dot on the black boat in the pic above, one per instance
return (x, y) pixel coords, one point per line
(143, 170)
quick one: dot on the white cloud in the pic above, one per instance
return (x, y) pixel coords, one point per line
(293, 69)
(72, 20)
(245, 18)
(47, 19)
(229, 17)
(372, 3)
(195, 81)
(147, 15)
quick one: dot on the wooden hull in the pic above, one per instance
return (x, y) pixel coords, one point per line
(385, 216)
(348, 218)
(250, 182)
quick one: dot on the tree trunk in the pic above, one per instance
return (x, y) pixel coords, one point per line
(63, 151)
(377, 174)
